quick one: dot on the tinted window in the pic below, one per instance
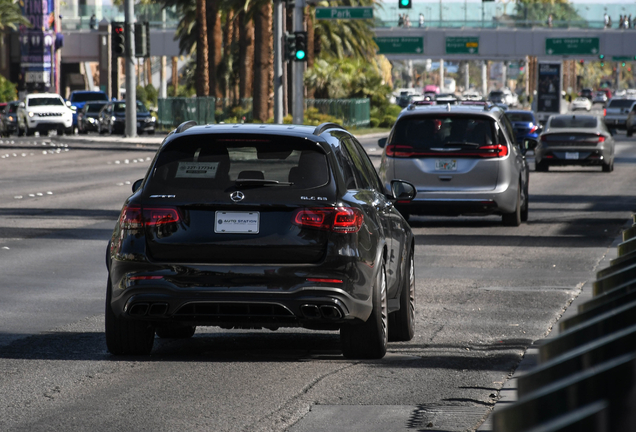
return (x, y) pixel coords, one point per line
(93, 107)
(520, 117)
(121, 107)
(12, 108)
(361, 160)
(215, 162)
(573, 122)
(621, 103)
(89, 96)
(428, 132)
(45, 101)
(363, 177)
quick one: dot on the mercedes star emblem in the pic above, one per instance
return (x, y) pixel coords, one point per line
(237, 196)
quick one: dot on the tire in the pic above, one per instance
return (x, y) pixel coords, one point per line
(27, 131)
(608, 167)
(20, 131)
(526, 207)
(402, 322)
(369, 340)
(630, 132)
(513, 219)
(68, 131)
(541, 167)
(126, 336)
(176, 332)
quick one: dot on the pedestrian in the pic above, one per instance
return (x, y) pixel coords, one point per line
(400, 21)
(549, 20)
(407, 21)
(422, 19)
(93, 22)
(609, 22)
(620, 21)
(606, 20)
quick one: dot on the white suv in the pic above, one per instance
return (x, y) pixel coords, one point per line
(43, 112)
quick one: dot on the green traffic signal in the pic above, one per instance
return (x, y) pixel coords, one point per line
(623, 64)
(601, 56)
(405, 4)
(300, 55)
(300, 44)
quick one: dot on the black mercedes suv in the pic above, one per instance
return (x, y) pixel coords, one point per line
(261, 226)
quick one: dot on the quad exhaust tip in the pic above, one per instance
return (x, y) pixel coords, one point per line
(323, 311)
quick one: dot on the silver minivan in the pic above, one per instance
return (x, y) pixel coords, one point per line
(462, 159)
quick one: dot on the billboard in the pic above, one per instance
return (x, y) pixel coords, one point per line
(549, 87)
(37, 45)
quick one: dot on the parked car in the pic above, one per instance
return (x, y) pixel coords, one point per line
(261, 226)
(524, 124)
(462, 159)
(581, 103)
(496, 96)
(575, 140)
(630, 123)
(616, 112)
(87, 117)
(112, 119)
(78, 98)
(600, 97)
(9, 119)
(43, 112)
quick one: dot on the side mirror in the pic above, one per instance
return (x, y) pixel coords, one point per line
(402, 190)
(529, 144)
(136, 185)
(21, 105)
(68, 104)
(382, 142)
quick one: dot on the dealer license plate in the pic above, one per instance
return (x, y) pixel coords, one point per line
(236, 222)
(446, 165)
(571, 155)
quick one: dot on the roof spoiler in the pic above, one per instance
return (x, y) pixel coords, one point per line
(185, 126)
(324, 126)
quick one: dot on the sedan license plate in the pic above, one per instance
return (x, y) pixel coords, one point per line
(446, 165)
(571, 155)
(236, 222)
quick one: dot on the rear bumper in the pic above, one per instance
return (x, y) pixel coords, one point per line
(615, 122)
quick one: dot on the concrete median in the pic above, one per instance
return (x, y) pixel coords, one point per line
(615, 279)
(610, 295)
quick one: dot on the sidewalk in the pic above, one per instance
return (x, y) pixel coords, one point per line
(508, 393)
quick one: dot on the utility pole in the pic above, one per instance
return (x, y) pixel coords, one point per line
(298, 69)
(131, 84)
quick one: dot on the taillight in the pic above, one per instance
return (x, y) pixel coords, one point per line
(601, 138)
(324, 280)
(498, 150)
(400, 151)
(336, 219)
(604, 111)
(133, 217)
(145, 278)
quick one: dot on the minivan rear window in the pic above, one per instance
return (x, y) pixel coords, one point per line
(426, 132)
(621, 103)
(219, 162)
(520, 117)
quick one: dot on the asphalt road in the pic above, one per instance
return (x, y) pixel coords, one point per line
(484, 294)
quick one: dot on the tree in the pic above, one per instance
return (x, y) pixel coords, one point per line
(539, 10)
(262, 61)
(11, 15)
(8, 90)
(202, 81)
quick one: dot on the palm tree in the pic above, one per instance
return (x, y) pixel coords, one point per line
(215, 42)
(246, 55)
(202, 80)
(11, 15)
(263, 65)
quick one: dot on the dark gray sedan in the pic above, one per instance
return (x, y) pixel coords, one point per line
(575, 140)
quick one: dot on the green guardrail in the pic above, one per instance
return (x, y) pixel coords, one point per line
(173, 111)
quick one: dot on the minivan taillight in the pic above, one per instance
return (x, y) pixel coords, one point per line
(498, 150)
(400, 151)
(336, 219)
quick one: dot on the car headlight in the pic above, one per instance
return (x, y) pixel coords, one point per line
(31, 113)
(91, 120)
(10, 118)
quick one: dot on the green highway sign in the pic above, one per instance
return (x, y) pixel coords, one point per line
(344, 12)
(400, 45)
(462, 45)
(572, 46)
(623, 58)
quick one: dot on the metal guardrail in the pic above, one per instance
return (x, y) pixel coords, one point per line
(204, 110)
(586, 377)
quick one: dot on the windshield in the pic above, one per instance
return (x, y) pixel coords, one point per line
(88, 96)
(12, 108)
(428, 132)
(45, 101)
(94, 108)
(621, 103)
(120, 107)
(573, 122)
(520, 117)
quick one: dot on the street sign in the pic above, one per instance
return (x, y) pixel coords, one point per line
(400, 45)
(462, 45)
(344, 12)
(572, 46)
(623, 58)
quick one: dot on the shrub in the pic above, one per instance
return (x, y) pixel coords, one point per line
(151, 95)
(8, 91)
(374, 122)
(388, 121)
(141, 95)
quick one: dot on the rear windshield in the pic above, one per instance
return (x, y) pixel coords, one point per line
(438, 131)
(621, 103)
(520, 117)
(12, 108)
(85, 97)
(573, 122)
(120, 107)
(216, 163)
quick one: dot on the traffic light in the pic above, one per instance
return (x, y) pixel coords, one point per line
(405, 4)
(582, 62)
(623, 64)
(601, 56)
(290, 46)
(118, 39)
(142, 39)
(300, 46)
